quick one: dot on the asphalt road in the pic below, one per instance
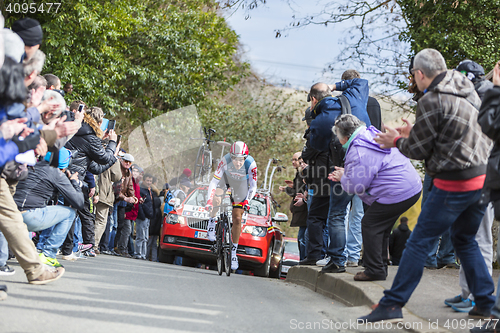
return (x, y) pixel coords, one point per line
(113, 294)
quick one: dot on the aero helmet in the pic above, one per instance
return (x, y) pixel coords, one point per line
(239, 149)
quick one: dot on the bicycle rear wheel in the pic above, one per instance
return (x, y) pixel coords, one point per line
(228, 248)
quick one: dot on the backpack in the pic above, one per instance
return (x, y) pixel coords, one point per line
(337, 152)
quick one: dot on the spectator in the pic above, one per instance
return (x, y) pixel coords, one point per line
(298, 207)
(446, 115)
(68, 88)
(131, 210)
(183, 190)
(11, 220)
(31, 33)
(144, 216)
(186, 173)
(43, 185)
(489, 121)
(397, 240)
(384, 179)
(155, 224)
(88, 145)
(475, 72)
(105, 201)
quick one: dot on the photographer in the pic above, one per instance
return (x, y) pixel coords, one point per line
(44, 184)
(88, 146)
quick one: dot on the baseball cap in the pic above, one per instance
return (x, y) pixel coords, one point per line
(186, 183)
(470, 69)
(128, 157)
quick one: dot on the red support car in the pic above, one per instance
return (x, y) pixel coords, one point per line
(260, 249)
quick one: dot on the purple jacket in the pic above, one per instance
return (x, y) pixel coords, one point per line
(375, 174)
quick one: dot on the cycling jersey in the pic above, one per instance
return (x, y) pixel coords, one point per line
(243, 181)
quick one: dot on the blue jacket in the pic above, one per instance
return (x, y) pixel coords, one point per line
(328, 109)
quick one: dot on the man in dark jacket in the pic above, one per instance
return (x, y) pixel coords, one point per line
(325, 110)
(44, 183)
(447, 136)
(298, 207)
(144, 216)
(475, 73)
(89, 147)
(397, 240)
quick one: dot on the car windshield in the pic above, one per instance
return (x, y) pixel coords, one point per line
(258, 205)
(292, 247)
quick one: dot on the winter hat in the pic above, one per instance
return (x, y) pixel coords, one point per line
(29, 30)
(64, 158)
(470, 69)
(187, 172)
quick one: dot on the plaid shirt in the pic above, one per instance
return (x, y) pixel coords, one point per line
(446, 133)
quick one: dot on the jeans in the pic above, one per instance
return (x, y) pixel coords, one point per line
(301, 239)
(462, 212)
(60, 217)
(339, 199)
(446, 254)
(353, 229)
(326, 241)
(42, 238)
(77, 235)
(4, 250)
(114, 227)
(141, 237)
(442, 252)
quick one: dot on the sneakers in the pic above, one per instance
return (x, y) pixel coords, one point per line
(6, 270)
(350, 263)
(234, 262)
(107, 252)
(137, 256)
(323, 262)
(453, 300)
(49, 274)
(465, 306)
(389, 314)
(211, 229)
(84, 247)
(89, 253)
(479, 313)
(71, 257)
(490, 326)
(332, 268)
(49, 261)
(80, 255)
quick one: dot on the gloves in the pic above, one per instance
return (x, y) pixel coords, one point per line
(209, 206)
(28, 143)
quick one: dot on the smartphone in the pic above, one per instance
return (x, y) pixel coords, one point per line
(111, 125)
(80, 107)
(119, 138)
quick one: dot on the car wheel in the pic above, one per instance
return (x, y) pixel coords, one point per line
(276, 273)
(166, 257)
(189, 262)
(263, 271)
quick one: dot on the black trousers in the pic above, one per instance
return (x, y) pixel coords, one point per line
(316, 221)
(376, 227)
(88, 221)
(120, 224)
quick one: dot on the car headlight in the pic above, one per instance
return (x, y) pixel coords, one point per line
(255, 231)
(172, 219)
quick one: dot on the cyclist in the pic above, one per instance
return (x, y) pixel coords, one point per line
(237, 170)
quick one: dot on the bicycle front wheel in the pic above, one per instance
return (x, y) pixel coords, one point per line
(228, 248)
(220, 250)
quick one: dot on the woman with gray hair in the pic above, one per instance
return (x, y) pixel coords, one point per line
(384, 179)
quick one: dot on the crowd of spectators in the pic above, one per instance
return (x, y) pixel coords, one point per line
(356, 179)
(67, 190)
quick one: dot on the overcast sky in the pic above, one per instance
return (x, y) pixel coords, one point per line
(298, 58)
